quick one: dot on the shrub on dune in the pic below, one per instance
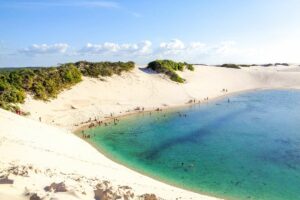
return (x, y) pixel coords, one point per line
(45, 83)
(169, 68)
(96, 69)
(234, 66)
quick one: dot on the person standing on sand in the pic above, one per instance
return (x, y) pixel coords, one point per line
(40, 118)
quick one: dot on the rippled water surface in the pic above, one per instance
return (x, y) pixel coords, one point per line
(248, 148)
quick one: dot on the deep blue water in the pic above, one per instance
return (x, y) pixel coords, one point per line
(246, 149)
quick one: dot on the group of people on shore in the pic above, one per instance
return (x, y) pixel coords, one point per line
(93, 123)
(224, 90)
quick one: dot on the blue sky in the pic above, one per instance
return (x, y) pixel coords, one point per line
(36, 32)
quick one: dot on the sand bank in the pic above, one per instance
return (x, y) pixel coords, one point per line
(120, 95)
(43, 154)
(49, 152)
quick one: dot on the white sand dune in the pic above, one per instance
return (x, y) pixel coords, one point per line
(51, 148)
(95, 98)
(55, 152)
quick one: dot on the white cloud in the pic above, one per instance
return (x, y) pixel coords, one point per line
(194, 52)
(225, 51)
(45, 49)
(107, 46)
(145, 47)
(174, 44)
(141, 48)
(176, 47)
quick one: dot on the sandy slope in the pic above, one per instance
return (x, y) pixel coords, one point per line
(55, 153)
(25, 142)
(118, 94)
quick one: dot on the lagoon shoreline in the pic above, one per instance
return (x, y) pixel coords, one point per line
(117, 139)
(122, 95)
(52, 144)
(77, 129)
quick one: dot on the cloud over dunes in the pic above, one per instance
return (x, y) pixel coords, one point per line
(141, 48)
(176, 46)
(36, 49)
(144, 51)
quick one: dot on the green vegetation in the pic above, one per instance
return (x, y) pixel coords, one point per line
(190, 67)
(43, 83)
(231, 66)
(46, 83)
(103, 68)
(169, 68)
(245, 65)
(283, 64)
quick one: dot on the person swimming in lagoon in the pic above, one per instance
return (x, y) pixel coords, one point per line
(182, 115)
(187, 167)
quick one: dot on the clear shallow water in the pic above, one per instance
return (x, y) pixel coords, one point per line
(246, 149)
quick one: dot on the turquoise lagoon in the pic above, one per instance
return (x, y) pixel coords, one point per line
(248, 148)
